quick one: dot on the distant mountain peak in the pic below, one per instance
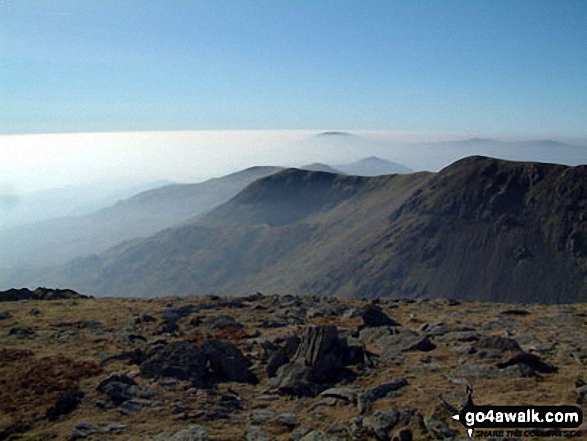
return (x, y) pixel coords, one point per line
(373, 166)
(319, 166)
(334, 133)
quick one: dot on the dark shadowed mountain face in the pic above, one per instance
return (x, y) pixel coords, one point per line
(58, 240)
(481, 229)
(373, 166)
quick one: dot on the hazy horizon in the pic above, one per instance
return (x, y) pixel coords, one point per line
(39, 162)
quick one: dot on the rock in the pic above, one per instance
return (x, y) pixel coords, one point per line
(222, 322)
(581, 394)
(533, 361)
(191, 433)
(374, 316)
(339, 429)
(515, 312)
(228, 363)
(7, 431)
(367, 398)
(321, 349)
(288, 419)
(276, 360)
(135, 404)
(295, 379)
(21, 332)
(83, 430)
(471, 370)
(15, 295)
(405, 435)
(318, 435)
(273, 323)
(438, 429)
(381, 423)
(5, 316)
(136, 356)
(168, 327)
(145, 318)
(449, 302)
(261, 416)
(318, 363)
(341, 393)
(402, 340)
(65, 404)
(118, 388)
(423, 345)
(499, 343)
(181, 360)
(254, 433)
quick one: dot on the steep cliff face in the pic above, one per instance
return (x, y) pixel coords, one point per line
(485, 229)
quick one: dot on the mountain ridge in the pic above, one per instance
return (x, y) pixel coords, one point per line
(480, 229)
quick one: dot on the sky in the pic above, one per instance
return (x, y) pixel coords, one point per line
(494, 66)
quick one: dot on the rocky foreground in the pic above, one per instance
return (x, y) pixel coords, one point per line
(276, 367)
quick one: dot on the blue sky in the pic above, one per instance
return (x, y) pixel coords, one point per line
(516, 67)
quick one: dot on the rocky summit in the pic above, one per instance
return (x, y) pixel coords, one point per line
(270, 367)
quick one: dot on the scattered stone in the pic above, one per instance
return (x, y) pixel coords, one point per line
(21, 332)
(341, 393)
(34, 311)
(373, 316)
(438, 429)
(84, 430)
(118, 388)
(449, 302)
(498, 343)
(181, 360)
(222, 322)
(135, 404)
(515, 312)
(318, 435)
(192, 433)
(273, 323)
(254, 433)
(582, 394)
(423, 345)
(5, 316)
(288, 419)
(145, 318)
(65, 404)
(261, 416)
(318, 363)
(532, 361)
(367, 398)
(15, 295)
(295, 379)
(228, 363)
(381, 423)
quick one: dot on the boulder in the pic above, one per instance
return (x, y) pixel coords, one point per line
(498, 343)
(295, 379)
(227, 362)
(532, 361)
(381, 423)
(374, 316)
(181, 360)
(65, 404)
(367, 398)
